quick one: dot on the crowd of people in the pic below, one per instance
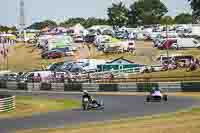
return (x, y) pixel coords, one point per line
(190, 64)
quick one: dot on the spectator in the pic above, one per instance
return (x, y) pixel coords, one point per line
(197, 62)
(39, 78)
(62, 78)
(111, 76)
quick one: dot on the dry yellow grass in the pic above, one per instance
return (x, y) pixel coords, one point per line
(145, 53)
(172, 75)
(181, 122)
(26, 58)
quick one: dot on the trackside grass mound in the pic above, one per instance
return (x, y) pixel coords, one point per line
(187, 121)
(181, 122)
(28, 106)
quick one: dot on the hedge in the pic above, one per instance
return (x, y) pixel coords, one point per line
(146, 87)
(108, 87)
(73, 87)
(190, 87)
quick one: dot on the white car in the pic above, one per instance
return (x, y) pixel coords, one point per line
(69, 53)
(78, 39)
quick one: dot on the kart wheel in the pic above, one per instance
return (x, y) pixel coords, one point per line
(85, 107)
(148, 99)
(165, 98)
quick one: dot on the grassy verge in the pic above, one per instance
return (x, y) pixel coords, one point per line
(187, 121)
(27, 106)
(25, 58)
(173, 75)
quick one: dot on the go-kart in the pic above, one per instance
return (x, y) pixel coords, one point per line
(94, 104)
(156, 97)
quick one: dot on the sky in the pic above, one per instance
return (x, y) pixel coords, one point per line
(59, 10)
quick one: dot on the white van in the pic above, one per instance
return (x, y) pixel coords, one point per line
(187, 43)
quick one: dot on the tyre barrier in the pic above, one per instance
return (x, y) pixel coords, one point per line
(7, 103)
(122, 87)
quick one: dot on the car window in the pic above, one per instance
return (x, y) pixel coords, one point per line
(31, 75)
(195, 42)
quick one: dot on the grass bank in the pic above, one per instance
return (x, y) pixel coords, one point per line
(25, 58)
(28, 106)
(173, 75)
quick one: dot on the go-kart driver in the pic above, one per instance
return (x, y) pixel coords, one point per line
(91, 99)
(86, 95)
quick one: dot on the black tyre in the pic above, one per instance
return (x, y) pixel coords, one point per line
(165, 98)
(85, 106)
(148, 99)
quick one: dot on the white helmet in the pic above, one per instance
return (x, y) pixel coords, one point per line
(85, 91)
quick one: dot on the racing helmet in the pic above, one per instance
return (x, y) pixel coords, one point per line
(85, 91)
(153, 89)
(157, 89)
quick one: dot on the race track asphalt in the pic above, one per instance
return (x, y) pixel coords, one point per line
(115, 107)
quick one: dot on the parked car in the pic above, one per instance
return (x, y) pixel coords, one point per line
(10, 76)
(121, 35)
(55, 66)
(180, 43)
(89, 38)
(167, 44)
(78, 39)
(67, 51)
(108, 32)
(128, 46)
(113, 49)
(33, 76)
(52, 54)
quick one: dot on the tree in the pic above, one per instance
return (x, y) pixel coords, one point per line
(44, 24)
(195, 5)
(73, 21)
(4, 29)
(183, 18)
(85, 22)
(167, 20)
(147, 12)
(8, 29)
(95, 21)
(118, 14)
(13, 28)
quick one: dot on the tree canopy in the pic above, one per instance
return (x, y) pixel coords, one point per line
(6, 29)
(118, 14)
(195, 5)
(85, 22)
(167, 20)
(44, 24)
(146, 12)
(183, 18)
(140, 12)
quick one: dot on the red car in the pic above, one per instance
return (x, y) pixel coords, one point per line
(52, 54)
